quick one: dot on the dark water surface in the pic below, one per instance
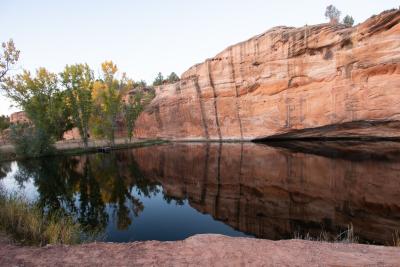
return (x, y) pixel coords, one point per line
(173, 191)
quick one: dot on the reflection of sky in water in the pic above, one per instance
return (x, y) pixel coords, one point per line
(165, 221)
(27, 189)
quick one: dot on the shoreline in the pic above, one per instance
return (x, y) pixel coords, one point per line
(76, 148)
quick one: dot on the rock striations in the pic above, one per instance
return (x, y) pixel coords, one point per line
(320, 81)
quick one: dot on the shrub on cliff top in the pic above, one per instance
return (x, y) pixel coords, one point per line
(333, 14)
(173, 78)
(159, 79)
(348, 21)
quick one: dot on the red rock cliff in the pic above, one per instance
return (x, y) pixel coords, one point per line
(315, 81)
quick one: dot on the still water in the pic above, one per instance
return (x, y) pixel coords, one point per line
(172, 191)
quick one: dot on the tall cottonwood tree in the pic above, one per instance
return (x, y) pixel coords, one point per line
(9, 56)
(136, 102)
(78, 80)
(41, 98)
(44, 103)
(132, 110)
(108, 95)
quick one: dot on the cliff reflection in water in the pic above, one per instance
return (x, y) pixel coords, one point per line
(274, 192)
(266, 191)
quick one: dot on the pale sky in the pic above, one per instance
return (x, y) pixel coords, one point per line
(145, 37)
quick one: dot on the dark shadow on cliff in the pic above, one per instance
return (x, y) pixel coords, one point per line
(354, 150)
(366, 131)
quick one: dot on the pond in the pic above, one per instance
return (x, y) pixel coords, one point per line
(172, 191)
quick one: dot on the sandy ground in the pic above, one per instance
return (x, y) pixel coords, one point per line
(203, 250)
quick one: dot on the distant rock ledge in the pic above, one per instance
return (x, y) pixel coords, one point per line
(315, 81)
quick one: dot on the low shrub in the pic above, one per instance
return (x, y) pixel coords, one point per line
(347, 236)
(31, 142)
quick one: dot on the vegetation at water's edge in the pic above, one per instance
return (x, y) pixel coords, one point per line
(396, 238)
(83, 188)
(26, 223)
(10, 156)
(4, 122)
(346, 236)
(98, 107)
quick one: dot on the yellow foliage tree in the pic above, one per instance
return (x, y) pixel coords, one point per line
(107, 98)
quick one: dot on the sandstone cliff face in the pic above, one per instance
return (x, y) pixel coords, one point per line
(315, 81)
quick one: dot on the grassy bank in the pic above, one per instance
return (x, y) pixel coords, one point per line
(9, 154)
(25, 222)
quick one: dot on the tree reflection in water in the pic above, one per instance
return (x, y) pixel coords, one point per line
(92, 208)
(5, 168)
(85, 186)
(269, 191)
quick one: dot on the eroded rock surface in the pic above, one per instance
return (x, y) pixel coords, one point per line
(339, 81)
(203, 250)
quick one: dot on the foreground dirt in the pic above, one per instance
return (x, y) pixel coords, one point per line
(203, 250)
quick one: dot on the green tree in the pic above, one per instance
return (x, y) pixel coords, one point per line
(333, 14)
(159, 80)
(173, 78)
(4, 122)
(109, 100)
(78, 81)
(140, 84)
(43, 102)
(9, 56)
(31, 141)
(348, 21)
(41, 98)
(132, 110)
(61, 119)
